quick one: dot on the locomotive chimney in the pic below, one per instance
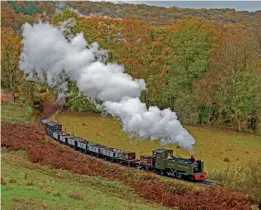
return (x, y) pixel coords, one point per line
(192, 158)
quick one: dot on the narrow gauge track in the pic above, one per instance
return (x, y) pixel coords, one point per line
(205, 182)
(162, 161)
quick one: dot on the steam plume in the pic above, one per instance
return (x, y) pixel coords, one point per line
(50, 57)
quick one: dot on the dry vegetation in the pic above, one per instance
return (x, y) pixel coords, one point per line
(245, 179)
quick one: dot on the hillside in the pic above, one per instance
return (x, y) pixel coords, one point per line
(158, 15)
(25, 175)
(167, 192)
(26, 185)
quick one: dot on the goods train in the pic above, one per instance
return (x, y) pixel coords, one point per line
(161, 161)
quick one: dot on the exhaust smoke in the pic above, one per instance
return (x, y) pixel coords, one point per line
(51, 57)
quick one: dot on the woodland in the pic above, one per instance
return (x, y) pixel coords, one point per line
(204, 64)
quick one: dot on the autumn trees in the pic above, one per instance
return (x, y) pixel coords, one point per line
(208, 73)
(10, 52)
(230, 92)
(159, 15)
(11, 77)
(190, 42)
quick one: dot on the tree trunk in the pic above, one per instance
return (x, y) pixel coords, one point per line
(12, 94)
(12, 88)
(209, 117)
(239, 127)
(145, 97)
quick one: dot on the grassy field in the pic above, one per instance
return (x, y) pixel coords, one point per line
(31, 186)
(13, 112)
(217, 148)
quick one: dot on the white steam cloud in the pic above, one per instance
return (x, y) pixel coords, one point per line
(50, 57)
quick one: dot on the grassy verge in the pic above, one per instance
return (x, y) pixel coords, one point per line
(31, 186)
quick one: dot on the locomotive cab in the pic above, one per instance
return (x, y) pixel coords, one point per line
(166, 163)
(162, 153)
(160, 156)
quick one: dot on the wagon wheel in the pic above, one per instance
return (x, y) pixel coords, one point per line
(178, 175)
(140, 168)
(162, 172)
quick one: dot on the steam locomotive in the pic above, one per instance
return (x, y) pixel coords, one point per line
(162, 161)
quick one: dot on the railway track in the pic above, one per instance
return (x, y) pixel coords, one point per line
(207, 182)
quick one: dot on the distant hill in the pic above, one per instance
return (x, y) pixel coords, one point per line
(154, 15)
(159, 15)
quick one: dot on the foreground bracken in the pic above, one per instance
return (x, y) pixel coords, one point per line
(42, 150)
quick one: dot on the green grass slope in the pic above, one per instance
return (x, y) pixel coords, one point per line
(26, 185)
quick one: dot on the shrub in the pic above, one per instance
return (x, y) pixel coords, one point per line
(243, 179)
(12, 181)
(226, 159)
(78, 196)
(3, 181)
(30, 183)
(57, 194)
(83, 124)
